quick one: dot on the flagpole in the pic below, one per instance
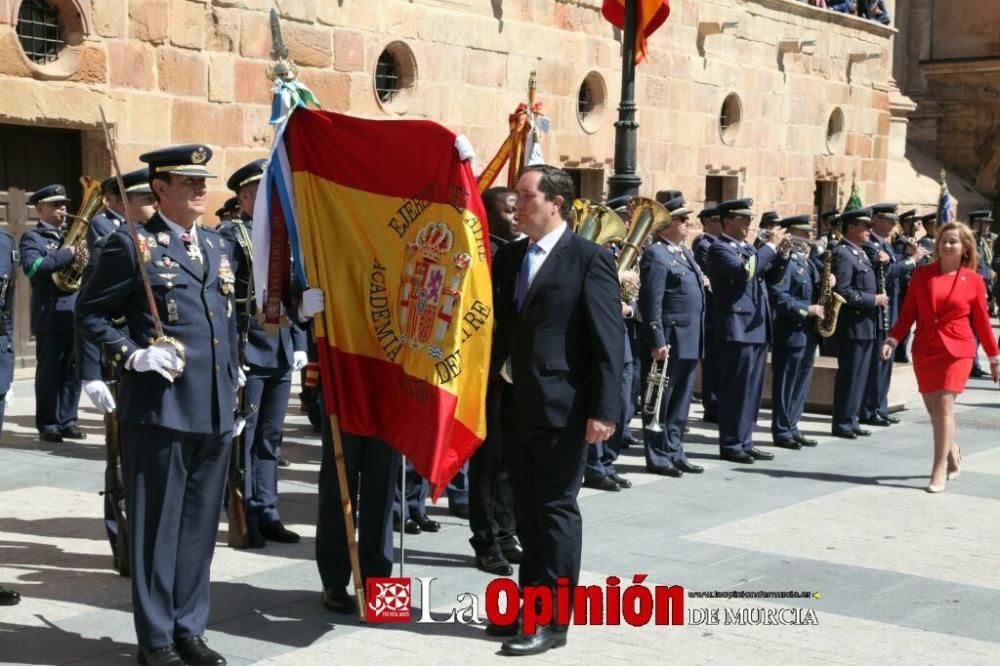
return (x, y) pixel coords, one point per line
(282, 69)
(402, 512)
(625, 182)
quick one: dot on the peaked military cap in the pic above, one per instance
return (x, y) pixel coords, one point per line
(857, 216)
(663, 196)
(676, 207)
(927, 218)
(736, 207)
(246, 174)
(231, 207)
(136, 182)
(187, 160)
(908, 216)
(981, 216)
(796, 222)
(769, 218)
(886, 210)
(707, 213)
(49, 194)
(830, 214)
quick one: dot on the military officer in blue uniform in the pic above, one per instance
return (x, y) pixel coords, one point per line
(96, 372)
(711, 228)
(793, 354)
(889, 270)
(57, 389)
(229, 210)
(856, 325)
(769, 219)
(270, 359)
(113, 216)
(177, 399)
(8, 268)
(672, 305)
(743, 326)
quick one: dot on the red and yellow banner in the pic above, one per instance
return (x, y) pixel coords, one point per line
(390, 226)
(650, 15)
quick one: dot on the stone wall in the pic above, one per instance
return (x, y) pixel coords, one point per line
(172, 71)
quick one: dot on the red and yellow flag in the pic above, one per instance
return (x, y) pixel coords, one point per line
(650, 15)
(389, 224)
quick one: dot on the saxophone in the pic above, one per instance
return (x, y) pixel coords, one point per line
(68, 279)
(829, 299)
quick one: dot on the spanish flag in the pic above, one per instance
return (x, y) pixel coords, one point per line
(385, 217)
(650, 15)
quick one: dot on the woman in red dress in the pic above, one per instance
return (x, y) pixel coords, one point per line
(947, 299)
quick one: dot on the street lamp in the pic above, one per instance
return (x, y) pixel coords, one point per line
(625, 182)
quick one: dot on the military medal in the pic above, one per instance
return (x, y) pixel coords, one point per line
(172, 315)
(163, 238)
(144, 249)
(226, 277)
(167, 262)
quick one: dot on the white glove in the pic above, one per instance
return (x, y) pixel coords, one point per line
(8, 398)
(312, 302)
(241, 377)
(157, 358)
(100, 396)
(299, 360)
(238, 428)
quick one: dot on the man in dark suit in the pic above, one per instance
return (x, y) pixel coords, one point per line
(270, 359)
(743, 326)
(672, 303)
(793, 301)
(57, 389)
(712, 227)
(8, 266)
(176, 409)
(559, 343)
(856, 325)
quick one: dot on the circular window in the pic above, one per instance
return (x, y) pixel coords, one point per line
(591, 102)
(835, 131)
(50, 33)
(39, 31)
(729, 118)
(395, 77)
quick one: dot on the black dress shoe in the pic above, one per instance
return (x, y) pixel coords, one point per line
(411, 526)
(459, 510)
(161, 656)
(504, 630)
(788, 444)
(876, 421)
(861, 432)
(194, 652)
(50, 437)
(622, 482)
(629, 440)
(891, 419)
(845, 434)
(283, 462)
(805, 441)
(275, 531)
(543, 640)
(710, 418)
(602, 483)
(757, 454)
(977, 372)
(664, 470)
(426, 524)
(337, 599)
(737, 457)
(494, 563)
(73, 433)
(512, 551)
(689, 468)
(9, 597)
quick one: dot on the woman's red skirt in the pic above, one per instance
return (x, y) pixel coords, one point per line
(940, 371)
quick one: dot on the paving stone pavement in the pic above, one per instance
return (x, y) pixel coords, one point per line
(901, 574)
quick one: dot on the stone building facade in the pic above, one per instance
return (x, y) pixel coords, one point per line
(772, 99)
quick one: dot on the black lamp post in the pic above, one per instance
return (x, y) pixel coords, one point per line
(625, 182)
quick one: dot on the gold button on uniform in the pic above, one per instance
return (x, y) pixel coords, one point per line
(215, 341)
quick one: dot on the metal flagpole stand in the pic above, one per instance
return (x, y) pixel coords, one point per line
(402, 513)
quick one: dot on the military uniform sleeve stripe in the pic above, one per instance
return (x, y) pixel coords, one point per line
(34, 267)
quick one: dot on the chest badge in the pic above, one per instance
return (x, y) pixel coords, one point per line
(163, 238)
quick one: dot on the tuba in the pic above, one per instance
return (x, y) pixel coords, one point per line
(647, 215)
(69, 277)
(596, 222)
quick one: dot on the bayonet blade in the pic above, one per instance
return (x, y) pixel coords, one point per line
(278, 49)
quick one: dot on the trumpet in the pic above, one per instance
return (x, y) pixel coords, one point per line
(652, 399)
(803, 245)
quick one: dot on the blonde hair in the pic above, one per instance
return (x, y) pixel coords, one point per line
(970, 257)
